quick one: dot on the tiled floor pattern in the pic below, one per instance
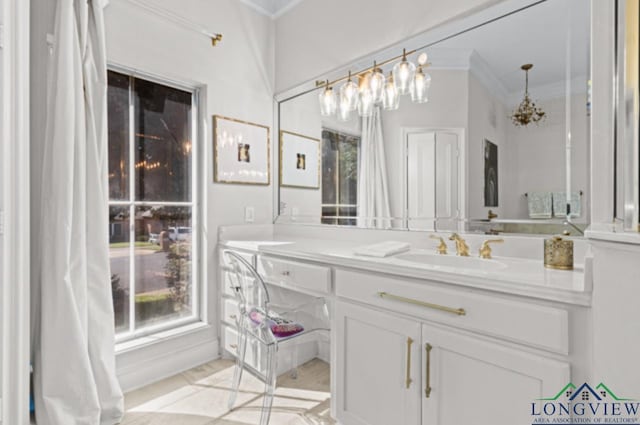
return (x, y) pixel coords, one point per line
(199, 397)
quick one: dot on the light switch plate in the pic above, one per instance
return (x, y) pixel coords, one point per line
(249, 214)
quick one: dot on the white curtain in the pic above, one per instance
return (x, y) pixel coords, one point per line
(74, 362)
(373, 193)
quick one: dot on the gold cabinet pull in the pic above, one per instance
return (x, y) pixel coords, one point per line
(458, 311)
(408, 381)
(234, 346)
(427, 389)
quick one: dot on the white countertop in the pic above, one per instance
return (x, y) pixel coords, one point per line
(516, 276)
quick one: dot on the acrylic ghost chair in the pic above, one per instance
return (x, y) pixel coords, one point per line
(260, 321)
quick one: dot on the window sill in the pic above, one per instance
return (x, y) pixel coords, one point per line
(159, 337)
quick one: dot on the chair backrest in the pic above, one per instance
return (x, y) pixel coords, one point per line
(249, 288)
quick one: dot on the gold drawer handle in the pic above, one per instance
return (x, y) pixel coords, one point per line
(233, 317)
(408, 381)
(427, 390)
(458, 311)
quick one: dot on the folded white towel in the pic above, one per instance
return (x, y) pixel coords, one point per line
(382, 249)
(539, 204)
(560, 204)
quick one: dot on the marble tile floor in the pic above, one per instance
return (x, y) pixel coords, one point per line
(199, 397)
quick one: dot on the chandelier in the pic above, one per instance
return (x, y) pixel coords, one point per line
(372, 88)
(527, 112)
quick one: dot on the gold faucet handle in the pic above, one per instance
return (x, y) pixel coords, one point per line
(485, 248)
(491, 215)
(442, 246)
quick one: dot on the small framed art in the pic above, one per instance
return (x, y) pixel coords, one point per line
(241, 151)
(299, 161)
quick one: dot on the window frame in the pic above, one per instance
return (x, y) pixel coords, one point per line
(198, 303)
(337, 218)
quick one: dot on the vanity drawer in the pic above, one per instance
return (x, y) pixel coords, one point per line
(226, 281)
(536, 325)
(249, 257)
(254, 356)
(230, 311)
(295, 275)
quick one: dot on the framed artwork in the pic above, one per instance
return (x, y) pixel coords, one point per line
(241, 152)
(490, 174)
(299, 161)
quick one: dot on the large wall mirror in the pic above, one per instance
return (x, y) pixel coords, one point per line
(498, 140)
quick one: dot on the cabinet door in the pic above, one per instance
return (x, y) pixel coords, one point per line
(377, 367)
(476, 381)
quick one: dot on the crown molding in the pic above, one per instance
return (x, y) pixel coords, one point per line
(275, 10)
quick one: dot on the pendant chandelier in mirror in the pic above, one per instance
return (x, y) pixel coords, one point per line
(371, 87)
(527, 112)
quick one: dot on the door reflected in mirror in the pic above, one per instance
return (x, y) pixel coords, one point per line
(491, 136)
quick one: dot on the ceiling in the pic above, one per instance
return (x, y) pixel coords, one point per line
(271, 8)
(553, 36)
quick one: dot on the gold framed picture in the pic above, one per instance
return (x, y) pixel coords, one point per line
(299, 161)
(241, 152)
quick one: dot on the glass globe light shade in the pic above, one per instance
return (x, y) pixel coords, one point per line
(403, 73)
(365, 106)
(376, 84)
(344, 110)
(420, 86)
(328, 103)
(349, 94)
(390, 97)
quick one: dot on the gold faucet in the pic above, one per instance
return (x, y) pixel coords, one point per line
(462, 249)
(491, 215)
(485, 249)
(442, 246)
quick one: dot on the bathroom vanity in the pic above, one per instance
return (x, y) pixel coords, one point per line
(423, 338)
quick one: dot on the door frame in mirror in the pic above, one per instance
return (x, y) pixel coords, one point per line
(462, 171)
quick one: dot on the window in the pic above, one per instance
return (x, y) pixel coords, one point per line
(152, 204)
(340, 159)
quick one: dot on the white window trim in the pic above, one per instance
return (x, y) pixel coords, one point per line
(15, 145)
(161, 351)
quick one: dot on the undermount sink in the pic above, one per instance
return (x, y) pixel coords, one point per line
(452, 261)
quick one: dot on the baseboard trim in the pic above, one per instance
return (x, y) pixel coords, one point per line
(164, 359)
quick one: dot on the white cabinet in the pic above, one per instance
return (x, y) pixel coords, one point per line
(396, 370)
(476, 381)
(378, 367)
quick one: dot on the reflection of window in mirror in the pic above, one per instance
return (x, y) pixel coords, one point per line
(340, 159)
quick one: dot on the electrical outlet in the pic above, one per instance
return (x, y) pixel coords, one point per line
(249, 214)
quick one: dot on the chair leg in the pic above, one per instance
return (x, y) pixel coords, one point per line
(237, 373)
(293, 373)
(270, 384)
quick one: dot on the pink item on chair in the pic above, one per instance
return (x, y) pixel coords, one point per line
(280, 327)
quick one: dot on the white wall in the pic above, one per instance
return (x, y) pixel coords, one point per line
(236, 78)
(317, 36)
(537, 157)
(302, 116)
(487, 120)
